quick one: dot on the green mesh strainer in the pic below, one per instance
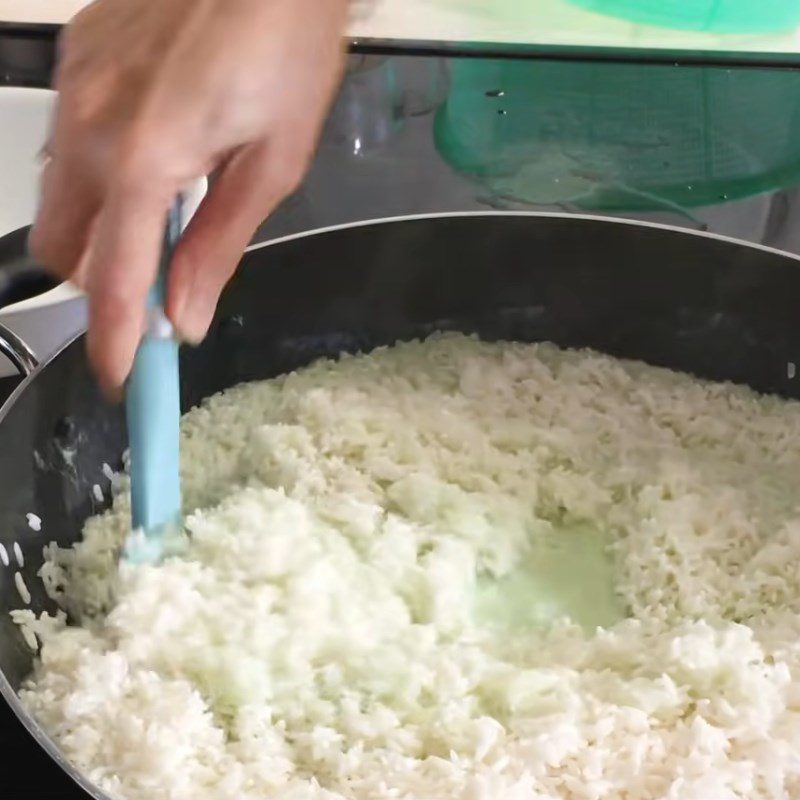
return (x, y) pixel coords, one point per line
(719, 16)
(618, 136)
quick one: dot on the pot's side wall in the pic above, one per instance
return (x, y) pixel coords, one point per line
(54, 438)
(720, 310)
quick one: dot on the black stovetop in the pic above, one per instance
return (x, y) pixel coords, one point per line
(28, 772)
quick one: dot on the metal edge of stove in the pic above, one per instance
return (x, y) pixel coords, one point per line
(633, 55)
(41, 38)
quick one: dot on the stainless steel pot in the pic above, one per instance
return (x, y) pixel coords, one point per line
(717, 308)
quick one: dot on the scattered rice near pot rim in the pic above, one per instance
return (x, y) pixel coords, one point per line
(318, 637)
(20, 558)
(22, 588)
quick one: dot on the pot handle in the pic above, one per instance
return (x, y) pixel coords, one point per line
(20, 279)
(17, 352)
(20, 276)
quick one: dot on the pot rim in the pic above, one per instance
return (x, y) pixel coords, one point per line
(622, 221)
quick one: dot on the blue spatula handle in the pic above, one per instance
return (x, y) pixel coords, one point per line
(153, 412)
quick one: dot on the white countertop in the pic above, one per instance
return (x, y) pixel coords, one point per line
(542, 22)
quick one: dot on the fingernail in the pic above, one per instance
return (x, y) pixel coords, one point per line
(191, 321)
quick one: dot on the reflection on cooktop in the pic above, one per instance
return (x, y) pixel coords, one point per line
(7, 386)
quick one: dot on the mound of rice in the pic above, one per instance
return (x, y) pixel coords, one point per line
(319, 636)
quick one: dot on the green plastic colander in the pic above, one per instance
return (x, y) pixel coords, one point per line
(718, 16)
(621, 137)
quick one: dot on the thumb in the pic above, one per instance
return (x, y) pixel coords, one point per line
(246, 191)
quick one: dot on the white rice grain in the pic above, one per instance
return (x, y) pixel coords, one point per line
(30, 638)
(18, 555)
(98, 493)
(24, 594)
(4, 555)
(34, 522)
(33, 627)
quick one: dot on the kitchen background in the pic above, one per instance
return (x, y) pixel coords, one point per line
(712, 147)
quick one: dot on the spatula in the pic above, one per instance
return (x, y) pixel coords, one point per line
(153, 413)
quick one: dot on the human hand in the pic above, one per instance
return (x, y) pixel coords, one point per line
(153, 95)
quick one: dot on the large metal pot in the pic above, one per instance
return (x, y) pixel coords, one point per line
(714, 307)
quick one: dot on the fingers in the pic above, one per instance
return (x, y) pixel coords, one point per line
(248, 189)
(121, 269)
(138, 107)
